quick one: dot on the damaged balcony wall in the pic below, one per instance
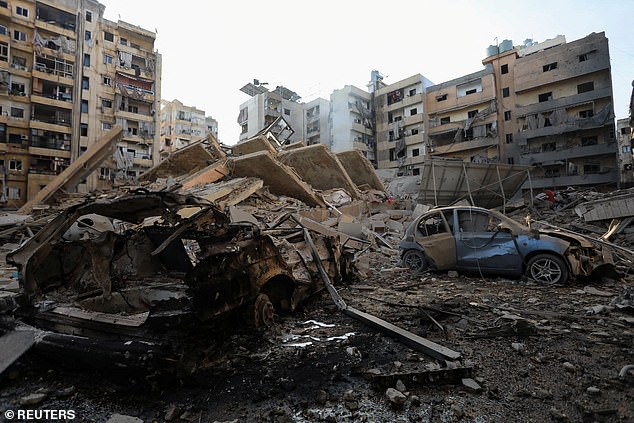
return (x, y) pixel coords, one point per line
(360, 170)
(185, 161)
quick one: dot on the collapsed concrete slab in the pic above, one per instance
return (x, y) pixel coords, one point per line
(320, 168)
(210, 174)
(253, 145)
(611, 207)
(360, 169)
(185, 161)
(280, 178)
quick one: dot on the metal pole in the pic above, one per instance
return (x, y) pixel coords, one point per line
(501, 189)
(433, 175)
(466, 178)
(530, 187)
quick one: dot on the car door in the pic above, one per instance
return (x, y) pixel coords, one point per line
(482, 245)
(434, 234)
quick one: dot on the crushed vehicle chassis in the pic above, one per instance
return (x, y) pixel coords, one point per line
(163, 280)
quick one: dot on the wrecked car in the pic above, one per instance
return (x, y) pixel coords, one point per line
(135, 278)
(474, 239)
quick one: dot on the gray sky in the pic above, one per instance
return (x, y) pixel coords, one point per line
(211, 49)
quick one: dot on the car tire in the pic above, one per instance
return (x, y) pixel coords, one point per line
(547, 269)
(415, 261)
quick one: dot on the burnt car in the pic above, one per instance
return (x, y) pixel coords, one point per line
(142, 277)
(474, 239)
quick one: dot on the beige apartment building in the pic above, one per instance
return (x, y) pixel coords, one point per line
(352, 121)
(555, 110)
(66, 76)
(400, 124)
(462, 118)
(181, 124)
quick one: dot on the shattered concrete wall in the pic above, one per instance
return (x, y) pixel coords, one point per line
(360, 169)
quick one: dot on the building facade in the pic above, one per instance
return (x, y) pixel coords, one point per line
(399, 110)
(67, 75)
(626, 160)
(555, 107)
(181, 124)
(352, 121)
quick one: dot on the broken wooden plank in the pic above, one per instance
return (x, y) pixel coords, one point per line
(410, 339)
(14, 345)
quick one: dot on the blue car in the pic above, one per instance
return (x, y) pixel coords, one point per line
(474, 239)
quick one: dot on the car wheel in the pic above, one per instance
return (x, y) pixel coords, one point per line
(414, 260)
(547, 269)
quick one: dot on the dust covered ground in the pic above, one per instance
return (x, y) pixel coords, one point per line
(533, 354)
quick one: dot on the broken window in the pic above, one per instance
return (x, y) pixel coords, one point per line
(415, 152)
(106, 126)
(394, 96)
(17, 88)
(627, 149)
(123, 41)
(4, 52)
(17, 112)
(413, 111)
(504, 69)
(108, 36)
(509, 138)
(549, 146)
(85, 83)
(432, 225)
(506, 92)
(86, 60)
(15, 165)
(84, 106)
(19, 62)
(441, 97)
(585, 87)
(83, 129)
(416, 171)
(19, 35)
(587, 141)
(586, 113)
(106, 103)
(107, 59)
(87, 35)
(412, 92)
(414, 132)
(510, 160)
(545, 97)
(104, 173)
(107, 80)
(22, 11)
(471, 114)
(585, 56)
(445, 120)
(472, 221)
(88, 16)
(549, 67)
(392, 156)
(626, 130)
(14, 193)
(507, 115)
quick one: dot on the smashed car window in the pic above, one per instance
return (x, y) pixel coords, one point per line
(432, 225)
(473, 221)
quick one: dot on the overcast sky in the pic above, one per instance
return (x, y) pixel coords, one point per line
(211, 49)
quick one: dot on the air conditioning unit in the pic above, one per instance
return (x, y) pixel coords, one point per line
(24, 137)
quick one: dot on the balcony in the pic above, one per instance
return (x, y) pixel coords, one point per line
(50, 152)
(465, 145)
(442, 129)
(573, 126)
(51, 100)
(573, 180)
(568, 153)
(65, 29)
(564, 102)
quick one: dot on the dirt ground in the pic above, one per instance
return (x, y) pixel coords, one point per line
(532, 354)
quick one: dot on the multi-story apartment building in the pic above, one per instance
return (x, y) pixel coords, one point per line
(555, 112)
(352, 121)
(181, 124)
(462, 118)
(66, 76)
(400, 124)
(626, 160)
(316, 124)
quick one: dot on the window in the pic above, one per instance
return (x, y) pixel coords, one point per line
(626, 130)
(432, 225)
(504, 69)
(86, 59)
(591, 167)
(413, 111)
(83, 129)
(585, 56)
(445, 120)
(133, 109)
(19, 35)
(17, 88)
(473, 91)
(627, 149)
(549, 146)
(506, 92)
(586, 113)
(107, 59)
(587, 141)
(107, 80)
(104, 173)
(414, 131)
(441, 97)
(19, 62)
(87, 35)
(14, 193)
(509, 138)
(123, 41)
(84, 106)
(416, 171)
(4, 52)
(510, 160)
(415, 152)
(106, 126)
(287, 112)
(22, 11)
(549, 67)
(585, 87)
(108, 36)
(15, 138)
(471, 114)
(3, 30)
(106, 103)
(412, 92)
(507, 115)
(392, 156)
(15, 165)
(545, 97)
(88, 16)
(394, 96)
(17, 112)
(85, 83)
